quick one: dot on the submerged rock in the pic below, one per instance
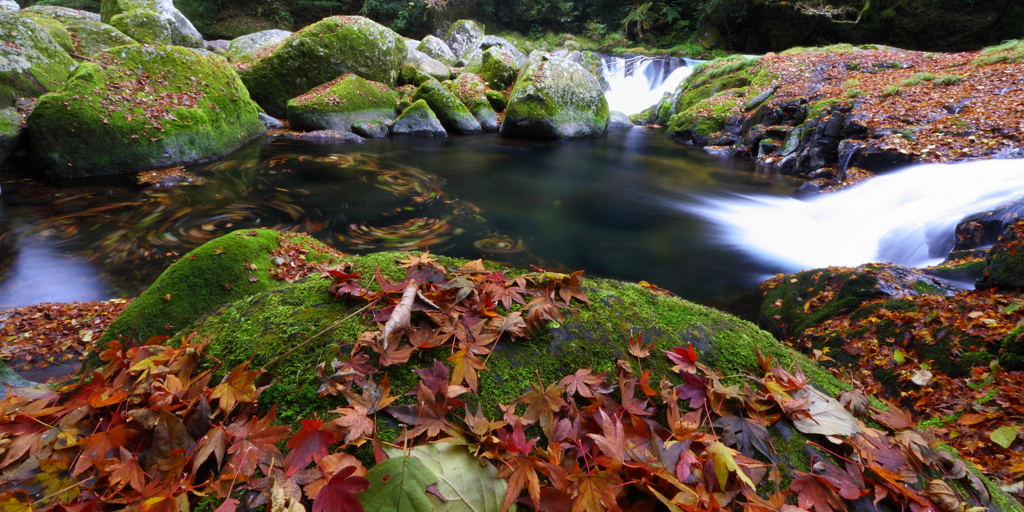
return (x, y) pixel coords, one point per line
(320, 53)
(437, 49)
(92, 37)
(341, 103)
(462, 34)
(151, 22)
(31, 61)
(419, 121)
(555, 99)
(142, 107)
(452, 113)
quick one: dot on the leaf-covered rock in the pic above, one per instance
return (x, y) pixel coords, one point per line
(449, 109)
(31, 62)
(142, 107)
(320, 53)
(342, 103)
(243, 50)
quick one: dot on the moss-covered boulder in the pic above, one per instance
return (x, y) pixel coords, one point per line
(55, 28)
(11, 127)
(142, 107)
(423, 64)
(31, 61)
(320, 53)
(437, 49)
(9, 6)
(467, 87)
(342, 103)
(555, 98)
(793, 303)
(449, 109)
(418, 120)
(462, 34)
(92, 37)
(497, 100)
(473, 57)
(219, 272)
(245, 49)
(1004, 264)
(484, 114)
(61, 14)
(498, 68)
(240, 26)
(151, 22)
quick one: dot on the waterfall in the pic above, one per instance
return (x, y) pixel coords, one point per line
(907, 217)
(637, 82)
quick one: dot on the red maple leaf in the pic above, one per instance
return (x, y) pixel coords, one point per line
(308, 445)
(339, 495)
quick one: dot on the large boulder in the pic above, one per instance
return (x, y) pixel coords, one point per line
(467, 87)
(245, 49)
(55, 28)
(341, 103)
(31, 61)
(320, 53)
(462, 34)
(418, 121)
(9, 6)
(484, 113)
(151, 22)
(450, 110)
(473, 57)
(92, 37)
(142, 107)
(1004, 264)
(437, 49)
(61, 14)
(498, 68)
(555, 99)
(426, 65)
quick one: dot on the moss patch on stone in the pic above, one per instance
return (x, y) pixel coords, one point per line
(342, 102)
(55, 28)
(92, 37)
(31, 61)
(449, 109)
(142, 107)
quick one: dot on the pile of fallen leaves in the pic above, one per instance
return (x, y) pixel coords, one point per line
(149, 431)
(47, 334)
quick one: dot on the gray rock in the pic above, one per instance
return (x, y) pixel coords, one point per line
(92, 37)
(151, 22)
(484, 114)
(498, 68)
(371, 129)
(418, 121)
(428, 66)
(324, 136)
(217, 45)
(270, 122)
(462, 34)
(437, 49)
(454, 115)
(619, 120)
(62, 14)
(9, 6)
(473, 57)
(245, 48)
(555, 99)
(31, 61)
(411, 44)
(11, 128)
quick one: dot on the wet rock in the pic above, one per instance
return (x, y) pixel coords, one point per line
(320, 53)
(151, 22)
(370, 129)
(31, 61)
(617, 119)
(418, 121)
(484, 114)
(341, 103)
(324, 136)
(983, 229)
(1004, 264)
(555, 99)
(462, 34)
(270, 122)
(876, 159)
(449, 109)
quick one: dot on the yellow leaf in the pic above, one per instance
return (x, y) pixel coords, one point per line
(725, 462)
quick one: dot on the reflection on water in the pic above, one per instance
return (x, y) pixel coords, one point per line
(603, 205)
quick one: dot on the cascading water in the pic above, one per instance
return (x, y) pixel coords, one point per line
(907, 217)
(635, 83)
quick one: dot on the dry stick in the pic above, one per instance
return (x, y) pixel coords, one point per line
(311, 338)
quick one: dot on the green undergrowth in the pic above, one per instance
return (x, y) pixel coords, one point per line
(1009, 52)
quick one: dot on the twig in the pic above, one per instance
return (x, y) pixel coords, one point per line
(311, 338)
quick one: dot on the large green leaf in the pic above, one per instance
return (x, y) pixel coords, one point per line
(399, 484)
(467, 482)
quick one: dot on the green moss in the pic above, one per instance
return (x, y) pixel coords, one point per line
(1012, 357)
(92, 37)
(54, 28)
(31, 61)
(553, 99)
(833, 48)
(496, 99)
(342, 102)
(89, 128)
(452, 113)
(1009, 52)
(498, 68)
(143, 25)
(321, 52)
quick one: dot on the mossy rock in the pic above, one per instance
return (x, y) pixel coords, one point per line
(555, 98)
(498, 69)
(198, 110)
(219, 272)
(423, 64)
(62, 14)
(240, 26)
(1012, 357)
(1004, 264)
(497, 100)
(245, 49)
(449, 109)
(467, 87)
(341, 103)
(437, 50)
(484, 114)
(31, 61)
(462, 34)
(55, 28)
(418, 120)
(472, 59)
(10, 131)
(151, 22)
(793, 303)
(92, 37)
(320, 53)
(696, 112)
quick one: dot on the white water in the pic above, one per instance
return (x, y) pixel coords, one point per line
(907, 217)
(636, 84)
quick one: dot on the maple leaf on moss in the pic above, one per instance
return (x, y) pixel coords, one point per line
(594, 491)
(466, 366)
(637, 348)
(308, 445)
(339, 494)
(356, 419)
(239, 386)
(255, 441)
(542, 403)
(815, 493)
(585, 383)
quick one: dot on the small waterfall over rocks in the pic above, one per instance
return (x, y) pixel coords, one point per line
(636, 82)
